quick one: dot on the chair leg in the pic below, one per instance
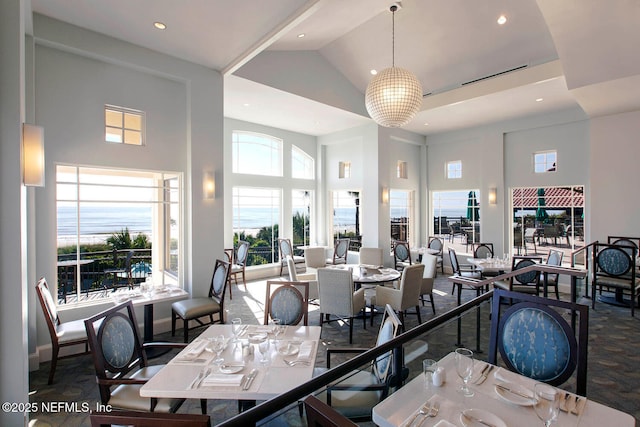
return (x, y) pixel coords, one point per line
(186, 330)
(351, 331)
(364, 317)
(203, 406)
(54, 362)
(433, 305)
(418, 313)
(173, 323)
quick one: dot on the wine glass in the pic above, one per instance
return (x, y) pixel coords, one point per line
(278, 329)
(464, 368)
(263, 347)
(547, 403)
(217, 346)
(236, 325)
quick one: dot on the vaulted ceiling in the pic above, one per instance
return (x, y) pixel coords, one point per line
(550, 55)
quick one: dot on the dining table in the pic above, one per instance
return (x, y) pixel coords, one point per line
(500, 398)
(195, 374)
(490, 265)
(369, 275)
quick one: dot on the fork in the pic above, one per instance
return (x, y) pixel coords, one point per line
(432, 413)
(424, 411)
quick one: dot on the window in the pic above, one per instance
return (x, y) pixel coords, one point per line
(346, 214)
(123, 125)
(256, 154)
(344, 170)
(454, 170)
(545, 162)
(256, 215)
(401, 170)
(556, 214)
(456, 216)
(302, 165)
(401, 205)
(301, 206)
(102, 215)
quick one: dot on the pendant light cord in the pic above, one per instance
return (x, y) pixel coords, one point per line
(393, 35)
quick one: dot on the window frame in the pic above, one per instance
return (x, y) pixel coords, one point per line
(453, 173)
(547, 165)
(275, 144)
(123, 125)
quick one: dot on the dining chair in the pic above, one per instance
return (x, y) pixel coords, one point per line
(339, 298)
(554, 258)
(319, 414)
(311, 278)
(63, 334)
(462, 270)
(528, 282)
(240, 262)
(147, 419)
(196, 308)
(530, 235)
(533, 338)
(402, 254)
(120, 360)
(482, 251)
(229, 254)
(437, 244)
(407, 295)
(371, 256)
(287, 301)
(357, 393)
(430, 263)
(615, 269)
(117, 272)
(340, 251)
(315, 257)
(286, 250)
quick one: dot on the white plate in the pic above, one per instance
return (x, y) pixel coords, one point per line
(256, 338)
(485, 416)
(231, 368)
(289, 350)
(513, 396)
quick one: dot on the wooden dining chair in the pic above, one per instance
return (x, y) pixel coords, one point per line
(319, 414)
(287, 301)
(402, 254)
(240, 263)
(147, 419)
(437, 244)
(340, 252)
(286, 250)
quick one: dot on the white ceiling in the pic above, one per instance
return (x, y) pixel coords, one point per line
(444, 42)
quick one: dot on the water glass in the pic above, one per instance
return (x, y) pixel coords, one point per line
(263, 348)
(429, 367)
(547, 403)
(236, 325)
(464, 368)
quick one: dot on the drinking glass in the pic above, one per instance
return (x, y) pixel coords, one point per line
(263, 347)
(217, 345)
(464, 368)
(429, 367)
(547, 403)
(277, 329)
(236, 325)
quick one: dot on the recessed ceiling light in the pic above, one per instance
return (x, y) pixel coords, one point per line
(160, 25)
(426, 124)
(539, 99)
(373, 72)
(301, 35)
(246, 104)
(502, 20)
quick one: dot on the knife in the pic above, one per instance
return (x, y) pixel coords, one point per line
(483, 375)
(252, 375)
(477, 420)
(516, 392)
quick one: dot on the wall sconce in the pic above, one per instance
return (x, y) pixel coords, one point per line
(384, 195)
(32, 155)
(208, 186)
(493, 196)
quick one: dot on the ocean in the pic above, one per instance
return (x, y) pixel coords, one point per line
(101, 220)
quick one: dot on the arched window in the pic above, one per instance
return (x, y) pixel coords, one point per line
(302, 165)
(256, 154)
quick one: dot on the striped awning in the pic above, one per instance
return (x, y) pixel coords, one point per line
(554, 197)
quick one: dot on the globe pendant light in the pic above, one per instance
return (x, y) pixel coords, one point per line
(394, 95)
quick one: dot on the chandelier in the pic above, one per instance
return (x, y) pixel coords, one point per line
(394, 95)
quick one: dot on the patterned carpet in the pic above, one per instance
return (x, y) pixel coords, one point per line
(614, 351)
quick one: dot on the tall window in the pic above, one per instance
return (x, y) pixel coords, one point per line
(105, 214)
(456, 216)
(401, 205)
(346, 214)
(454, 170)
(256, 154)
(256, 215)
(301, 206)
(123, 125)
(545, 161)
(302, 165)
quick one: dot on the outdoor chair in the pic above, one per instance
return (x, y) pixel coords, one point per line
(63, 334)
(551, 280)
(123, 272)
(401, 254)
(528, 282)
(338, 297)
(319, 414)
(371, 256)
(310, 278)
(340, 251)
(287, 301)
(196, 308)
(407, 295)
(615, 269)
(286, 250)
(120, 360)
(147, 419)
(357, 393)
(533, 338)
(240, 262)
(437, 244)
(530, 235)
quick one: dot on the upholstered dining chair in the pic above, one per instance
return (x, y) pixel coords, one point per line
(229, 254)
(63, 334)
(319, 414)
(314, 258)
(533, 338)
(357, 393)
(196, 308)
(240, 262)
(286, 250)
(615, 269)
(120, 360)
(528, 282)
(340, 251)
(147, 419)
(371, 256)
(407, 295)
(462, 270)
(437, 244)
(430, 263)
(482, 251)
(287, 301)
(311, 278)
(402, 254)
(339, 298)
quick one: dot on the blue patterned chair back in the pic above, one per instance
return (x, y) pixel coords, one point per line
(388, 330)
(118, 342)
(243, 251)
(615, 261)
(627, 245)
(482, 250)
(401, 251)
(288, 301)
(535, 341)
(436, 244)
(219, 280)
(528, 277)
(454, 261)
(341, 248)
(285, 248)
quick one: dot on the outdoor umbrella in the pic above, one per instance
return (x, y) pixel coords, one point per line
(473, 213)
(541, 212)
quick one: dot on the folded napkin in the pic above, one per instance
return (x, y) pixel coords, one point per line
(306, 348)
(195, 348)
(444, 423)
(222, 380)
(507, 376)
(448, 411)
